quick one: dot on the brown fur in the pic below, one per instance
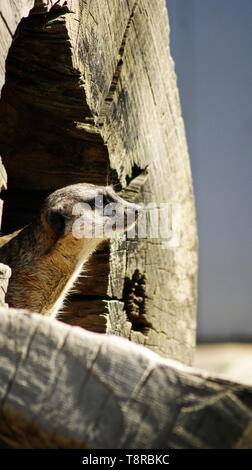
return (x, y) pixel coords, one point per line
(45, 257)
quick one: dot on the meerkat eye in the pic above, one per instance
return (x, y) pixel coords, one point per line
(99, 202)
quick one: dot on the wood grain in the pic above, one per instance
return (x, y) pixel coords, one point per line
(91, 95)
(131, 89)
(63, 387)
(11, 14)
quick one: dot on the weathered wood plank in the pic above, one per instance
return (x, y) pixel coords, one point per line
(11, 13)
(5, 273)
(101, 104)
(131, 89)
(52, 108)
(63, 387)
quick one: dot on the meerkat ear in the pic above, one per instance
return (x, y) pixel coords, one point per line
(56, 221)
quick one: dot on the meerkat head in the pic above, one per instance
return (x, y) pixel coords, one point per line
(88, 211)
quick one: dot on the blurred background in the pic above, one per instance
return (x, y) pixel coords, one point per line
(211, 44)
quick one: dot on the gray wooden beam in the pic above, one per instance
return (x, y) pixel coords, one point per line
(63, 387)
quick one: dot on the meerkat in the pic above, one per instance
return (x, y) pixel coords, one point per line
(47, 256)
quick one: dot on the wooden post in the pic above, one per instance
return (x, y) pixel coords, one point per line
(91, 95)
(11, 13)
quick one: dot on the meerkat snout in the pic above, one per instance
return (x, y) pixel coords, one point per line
(47, 256)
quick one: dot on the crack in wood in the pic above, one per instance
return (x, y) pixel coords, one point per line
(113, 86)
(6, 24)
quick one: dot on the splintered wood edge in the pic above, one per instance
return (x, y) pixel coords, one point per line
(64, 387)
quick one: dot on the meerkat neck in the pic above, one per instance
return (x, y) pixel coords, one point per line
(47, 267)
(71, 264)
(15, 248)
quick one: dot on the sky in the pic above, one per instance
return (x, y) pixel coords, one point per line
(211, 43)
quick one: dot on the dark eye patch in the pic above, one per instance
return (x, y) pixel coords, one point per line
(56, 221)
(99, 201)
